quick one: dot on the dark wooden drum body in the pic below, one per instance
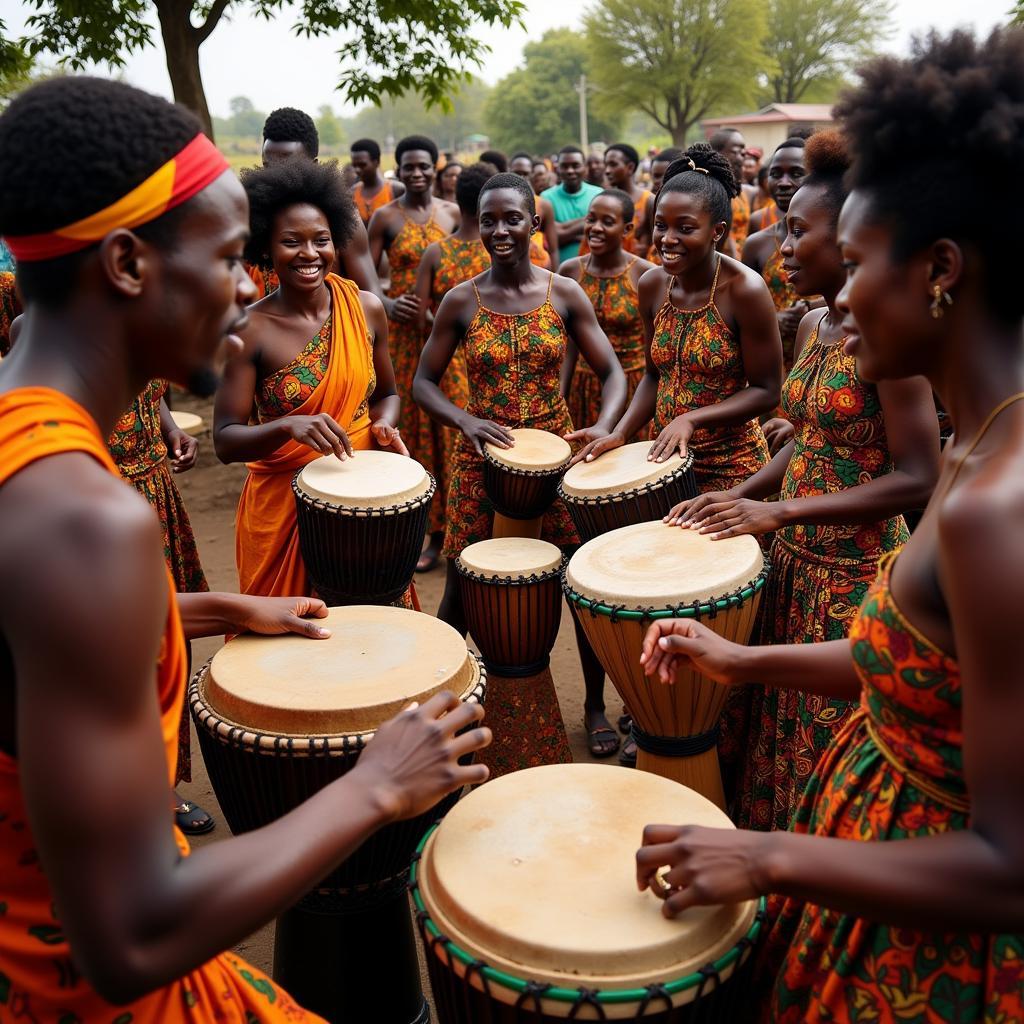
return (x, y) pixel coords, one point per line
(509, 924)
(279, 718)
(512, 599)
(621, 488)
(522, 481)
(361, 525)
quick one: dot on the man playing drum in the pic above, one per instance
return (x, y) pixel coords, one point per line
(128, 228)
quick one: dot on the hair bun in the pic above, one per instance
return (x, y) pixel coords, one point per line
(715, 165)
(827, 154)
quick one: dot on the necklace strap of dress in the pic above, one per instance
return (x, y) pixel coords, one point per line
(989, 420)
(551, 281)
(476, 291)
(714, 282)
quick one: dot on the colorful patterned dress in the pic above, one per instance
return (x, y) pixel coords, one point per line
(405, 342)
(740, 221)
(819, 576)
(783, 295)
(10, 307)
(458, 262)
(895, 771)
(368, 207)
(138, 450)
(266, 281)
(513, 361)
(618, 312)
(699, 363)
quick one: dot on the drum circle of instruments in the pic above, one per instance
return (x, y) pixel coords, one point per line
(278, 718)
(522, 481)
(621, 582)
(622, 488)
(361, 524)
(527, 906)
(512, 600)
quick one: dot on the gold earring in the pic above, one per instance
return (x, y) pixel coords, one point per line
(939, 297)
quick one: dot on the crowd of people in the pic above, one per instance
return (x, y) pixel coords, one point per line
(829, 329)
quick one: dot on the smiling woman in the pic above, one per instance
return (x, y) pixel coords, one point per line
(315, 364)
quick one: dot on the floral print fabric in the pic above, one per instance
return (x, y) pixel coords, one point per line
(699, 363)
(513, 361)
(820, 574)
(894, 772)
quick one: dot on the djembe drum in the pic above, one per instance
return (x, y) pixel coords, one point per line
(622, 488)
(619, 583)
(522, 481)
(279, 718)
(529, 911)
(512, 599)
(361, 524)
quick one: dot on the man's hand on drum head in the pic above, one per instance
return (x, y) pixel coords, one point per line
(388, 438)
(413, 760)
(594, 446)
(683, 513)
(706, 866)
(672, 439)
(734, 517)
(673, 643)
(319, 432)
(480, 432)
(273, 616)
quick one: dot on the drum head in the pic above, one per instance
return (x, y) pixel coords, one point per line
(369, 480)
(535, 873)
(655, 565)
(622, 469)
(187, 421)
(510, 556)
(375, 662)
(535, 451)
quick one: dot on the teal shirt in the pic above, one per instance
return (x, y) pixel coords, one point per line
(569, 206)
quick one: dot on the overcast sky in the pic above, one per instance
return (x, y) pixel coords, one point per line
(268, 63)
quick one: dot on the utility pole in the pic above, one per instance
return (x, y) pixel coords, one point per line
(581, 88)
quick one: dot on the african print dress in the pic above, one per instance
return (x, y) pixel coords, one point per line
(740, 221)
(820, 574)
(138, 450)
(618, 312)
(895, 771)
(405, 342)
(783, 295)
(699, 363)
(10, 307)
(266, 281)
(513, 361)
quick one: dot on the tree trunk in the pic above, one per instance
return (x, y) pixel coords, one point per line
(181, 44)
(679, 133)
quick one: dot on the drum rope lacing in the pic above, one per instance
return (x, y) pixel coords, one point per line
(674, 746)
(707, 608)
(323, 505)
(517, 471)
(434, 940)
(680, 473)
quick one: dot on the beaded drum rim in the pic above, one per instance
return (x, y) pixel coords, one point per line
(706, 609)
(468, 574)
(234, 734)
(353, 512)
(634, 492)
(532, 993)
(517, 471)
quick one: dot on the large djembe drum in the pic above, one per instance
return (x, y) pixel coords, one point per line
(621, 582)
(279, 718)
(522, 481)
(512, 599)
(529, 911)
(622, 488)
(361, 524)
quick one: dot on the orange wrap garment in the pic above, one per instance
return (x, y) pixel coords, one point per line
(38, 978)
(267, 538)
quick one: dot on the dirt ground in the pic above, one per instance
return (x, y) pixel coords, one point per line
(210, 492)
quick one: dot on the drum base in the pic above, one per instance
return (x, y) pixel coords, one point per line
(699, 772)
(353, 967)
(524, 715)
(506, 527)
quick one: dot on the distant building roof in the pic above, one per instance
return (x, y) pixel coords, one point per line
(776, 113)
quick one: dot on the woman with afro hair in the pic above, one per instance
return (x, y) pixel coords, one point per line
(898, 895)
(314, 365)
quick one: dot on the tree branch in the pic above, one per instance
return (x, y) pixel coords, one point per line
(202, 32)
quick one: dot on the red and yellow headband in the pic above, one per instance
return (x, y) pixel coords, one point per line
(177, 181)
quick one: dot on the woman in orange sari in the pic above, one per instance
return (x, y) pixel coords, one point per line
(315, 365)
